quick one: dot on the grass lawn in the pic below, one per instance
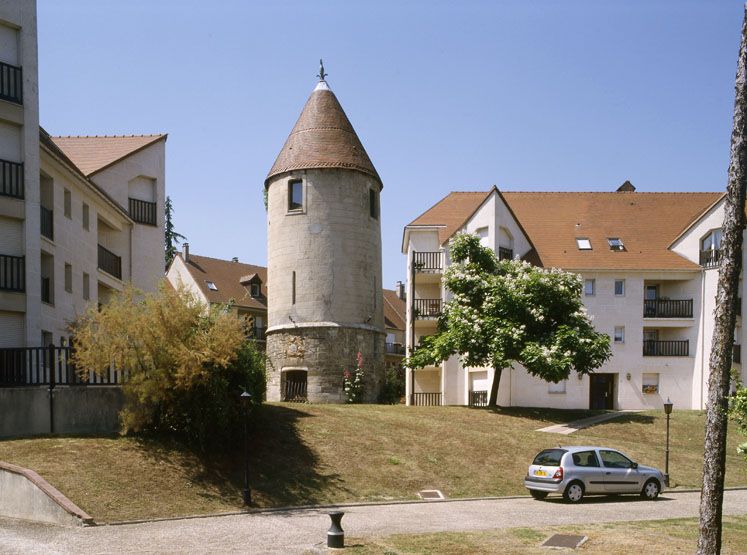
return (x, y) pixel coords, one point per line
(620, 538)
(311, 454)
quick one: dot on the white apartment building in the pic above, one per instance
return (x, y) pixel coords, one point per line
(79, 216)
(650, 267)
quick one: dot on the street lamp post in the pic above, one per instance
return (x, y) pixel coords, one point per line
(246, 399)
(668, 410)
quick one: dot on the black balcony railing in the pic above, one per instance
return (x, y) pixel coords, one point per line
(478, 398)
(48, 366)
(11, 179)
(426, 399)
(736, 353)
(12, 273)
(395, 349)
(505, 254)
(11, 83)
(676, 348)
(667, 308)
(110, 262)
(710, 259)
(428, 261)
(143, 212)
(259, 333)
(46, 222)
(425, 309)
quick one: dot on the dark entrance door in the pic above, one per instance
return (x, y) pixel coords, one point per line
(601, 391)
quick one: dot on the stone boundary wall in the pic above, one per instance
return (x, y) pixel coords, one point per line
(28, 496)
(25, 411)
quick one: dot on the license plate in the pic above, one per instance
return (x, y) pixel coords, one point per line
(540, 473)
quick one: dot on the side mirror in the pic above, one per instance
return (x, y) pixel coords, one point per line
(634, 465)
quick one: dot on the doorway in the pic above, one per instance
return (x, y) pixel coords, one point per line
(601, 391)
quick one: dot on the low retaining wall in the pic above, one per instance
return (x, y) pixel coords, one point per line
(28, 496)
(25, 411)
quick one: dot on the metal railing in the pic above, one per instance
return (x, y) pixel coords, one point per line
(11, 179)
(12, 273)
(259, 333)
(11, 83)
(395, 349)
(669, 348)
(424, 309)
(478, 398)
(710, 258)
(426, 399)
(428, 261)
(294, 390)
(505, 254)
(143, 212)
(46, 222)
(50, 366)
(667, 308)
(110, 262)
(737, 353)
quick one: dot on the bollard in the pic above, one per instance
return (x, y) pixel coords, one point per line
(335, 534)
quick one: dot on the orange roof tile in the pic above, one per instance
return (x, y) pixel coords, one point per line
(451, 212)
(226, 275)
(394, 310)
(93, 154)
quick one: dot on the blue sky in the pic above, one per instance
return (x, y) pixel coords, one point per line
(445, 96)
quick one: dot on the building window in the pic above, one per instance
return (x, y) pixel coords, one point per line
(619, 287)
(650, 383)
(619, 334)
(483, 234)
(712, 241)
(373, 204)
(86, 217)
(293, 288)
(68, 278)
(255, 290)
(86, 287)
(211, 285)
(295, 195)
(556, 387)
(589, 286)
(583, 243)
(616, 244)
(68, 201)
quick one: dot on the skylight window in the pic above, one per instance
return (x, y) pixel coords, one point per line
(616, 244)
(211, 286)
(584, 244)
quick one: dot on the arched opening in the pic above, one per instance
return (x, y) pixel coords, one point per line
(294, 385)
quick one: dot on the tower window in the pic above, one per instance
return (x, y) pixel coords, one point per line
(373, 204)
(295, 195)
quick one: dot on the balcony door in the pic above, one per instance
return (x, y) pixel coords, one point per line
(601, 391)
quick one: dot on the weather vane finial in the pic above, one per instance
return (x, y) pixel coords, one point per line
(321, 75)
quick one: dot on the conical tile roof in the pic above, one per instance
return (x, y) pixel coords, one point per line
(323, 138)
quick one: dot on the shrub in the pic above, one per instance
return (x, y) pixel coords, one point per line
(394, 386)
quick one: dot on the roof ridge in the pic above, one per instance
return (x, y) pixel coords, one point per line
(107, 136)
(225, 260)
(615, 193)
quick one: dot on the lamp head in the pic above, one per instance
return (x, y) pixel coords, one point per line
(668, 406)
(246, 398)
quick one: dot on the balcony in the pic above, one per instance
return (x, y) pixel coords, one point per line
(669, 348)
(11, 83)
(710, 259)
(47, 223)
(505, 254)
(395, 349)
(426, 399)
(427, 309)
(143, 212)
(110, 262)
(668, 308)
(428, 262)
(259, 333)
(11, 179)
(12, 273)
(478, 398)
(736, 353)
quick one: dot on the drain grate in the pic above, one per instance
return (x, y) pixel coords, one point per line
(565, 541)
(431, 495)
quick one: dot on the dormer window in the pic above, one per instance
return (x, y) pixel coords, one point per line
(255, 290)
(616, 244)
(712, 241)
(211, 285)
(583, 243)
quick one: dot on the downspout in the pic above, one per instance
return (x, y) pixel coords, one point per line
(411, 302)
(132, 228)
(702, 334)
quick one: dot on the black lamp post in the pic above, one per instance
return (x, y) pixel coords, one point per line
(668, 410)
(246, 399)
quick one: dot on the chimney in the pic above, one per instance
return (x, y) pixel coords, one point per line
(235, 259)
(400, 289)
(626, 187)
(185, 252)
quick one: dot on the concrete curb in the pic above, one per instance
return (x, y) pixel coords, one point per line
(77, 514)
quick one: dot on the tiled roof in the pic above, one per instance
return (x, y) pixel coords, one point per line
(93, 154)
(451, 212)
(226, 276)
(323, 138)
(394, 310)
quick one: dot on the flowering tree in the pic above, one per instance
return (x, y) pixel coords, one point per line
(352, 382)
(505, 312)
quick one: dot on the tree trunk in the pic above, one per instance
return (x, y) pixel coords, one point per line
(712, 494)
(493, 398)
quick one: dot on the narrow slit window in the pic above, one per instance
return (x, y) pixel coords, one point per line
(293, 288)
(373, 204)
(295, 195)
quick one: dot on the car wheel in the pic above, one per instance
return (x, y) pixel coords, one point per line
(538, 494)
(574, 493)
(650, 490)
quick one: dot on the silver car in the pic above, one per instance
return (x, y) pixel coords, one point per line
(578, 471)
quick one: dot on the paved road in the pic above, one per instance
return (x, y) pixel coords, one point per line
(299, 531)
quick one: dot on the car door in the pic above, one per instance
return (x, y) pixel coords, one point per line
(619, 474)
(588, 470)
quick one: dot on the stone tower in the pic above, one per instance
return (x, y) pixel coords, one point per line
(323, 258)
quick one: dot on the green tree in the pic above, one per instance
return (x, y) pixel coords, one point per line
(505, 312)
(172, 237)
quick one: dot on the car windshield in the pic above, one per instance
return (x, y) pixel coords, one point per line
(549, 457)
